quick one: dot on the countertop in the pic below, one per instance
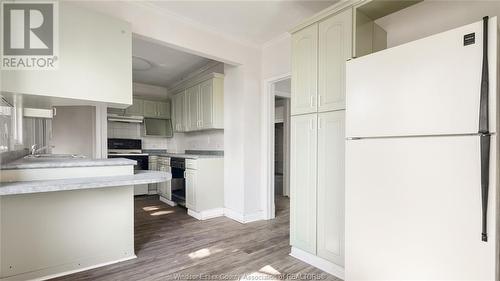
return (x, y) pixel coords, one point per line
(39, 163)
(190, 156)
(25, 187)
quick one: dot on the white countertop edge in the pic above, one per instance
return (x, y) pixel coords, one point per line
(27, 187)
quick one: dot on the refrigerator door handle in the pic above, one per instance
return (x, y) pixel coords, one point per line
(484, 133)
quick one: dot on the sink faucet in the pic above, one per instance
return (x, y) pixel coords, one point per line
(35, 150)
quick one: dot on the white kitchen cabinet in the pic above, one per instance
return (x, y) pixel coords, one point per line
(205, 187)
(150, 108)
(304, 70)
(178, 109)
(193, 108)
(165, 188)
(163, 109)
(191, 186)
(303, 187)
(330, 199)
(94, 61)
(335, 48)
(136, 109)
(212, 104)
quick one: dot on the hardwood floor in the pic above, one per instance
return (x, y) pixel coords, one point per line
(170, 245)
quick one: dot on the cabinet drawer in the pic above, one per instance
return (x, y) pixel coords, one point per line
(164, 161)
(191, 164)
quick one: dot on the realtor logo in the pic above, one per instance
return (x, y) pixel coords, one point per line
(29, 35)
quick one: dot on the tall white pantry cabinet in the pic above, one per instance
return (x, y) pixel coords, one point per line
(320, 48)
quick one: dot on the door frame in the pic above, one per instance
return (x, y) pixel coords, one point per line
(267, 167)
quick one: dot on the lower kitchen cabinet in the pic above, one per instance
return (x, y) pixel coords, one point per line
(317, 185)
(165, 188)
(205, 187)
(303, 186)
(330, 186)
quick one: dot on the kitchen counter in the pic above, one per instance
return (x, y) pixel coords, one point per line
(39, 163)
(190, 156)
(26, 187)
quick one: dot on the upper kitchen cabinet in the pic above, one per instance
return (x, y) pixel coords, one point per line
(136, 109)
(179, 111)
(199, 105)
(94, 62)
(157, 109)
(304, 70)
(335, 48)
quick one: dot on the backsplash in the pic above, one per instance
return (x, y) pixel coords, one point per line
(204, 140)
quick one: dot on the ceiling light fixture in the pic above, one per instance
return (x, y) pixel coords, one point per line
(140, 64)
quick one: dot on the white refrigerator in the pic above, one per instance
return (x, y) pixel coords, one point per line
(421, 162)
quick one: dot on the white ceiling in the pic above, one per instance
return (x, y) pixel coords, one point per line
(255, 22)
(168, 65)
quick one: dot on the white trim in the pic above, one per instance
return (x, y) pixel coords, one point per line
(242, 218)
(31, 275)
(207, 214)
(318, 262)
(168, 202)
(267, 154)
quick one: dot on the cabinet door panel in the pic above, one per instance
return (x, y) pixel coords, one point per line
(304, 70)
(206, 104)
(150, 109)
(137, 108)
(331, 155)
(178, 108)
(190, 176)
(303, 148)
(163, 110)
(192, 106)
(335, 48)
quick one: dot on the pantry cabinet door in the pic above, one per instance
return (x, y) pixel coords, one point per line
(304, 70)
(335, 48)
(330, 200)
(303, 161)
(192, 107)
(206, 104)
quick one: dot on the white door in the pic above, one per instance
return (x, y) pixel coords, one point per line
(303, 144)
(304, 70)
(331, 156)
(426, 87)
(178, 107)
(413, 210)
(192, 102)
(335, 48)
(206, 104)
(190, 176)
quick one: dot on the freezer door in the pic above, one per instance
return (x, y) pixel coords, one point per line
(413, 210)
(427, 87)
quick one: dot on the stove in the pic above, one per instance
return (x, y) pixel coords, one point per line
(130, 149)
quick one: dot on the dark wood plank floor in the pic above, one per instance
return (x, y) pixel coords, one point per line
(170, 245)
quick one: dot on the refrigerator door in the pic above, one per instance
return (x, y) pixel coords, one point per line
(427, 87)
(413, 210)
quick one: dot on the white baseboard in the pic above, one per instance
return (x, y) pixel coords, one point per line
(54, 272)
(243, 218)
(318, 262)
(207, 214)
(168, 202)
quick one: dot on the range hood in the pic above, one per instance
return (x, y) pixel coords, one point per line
(125, 119)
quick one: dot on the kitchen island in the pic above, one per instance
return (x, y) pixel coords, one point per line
(59, 216)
